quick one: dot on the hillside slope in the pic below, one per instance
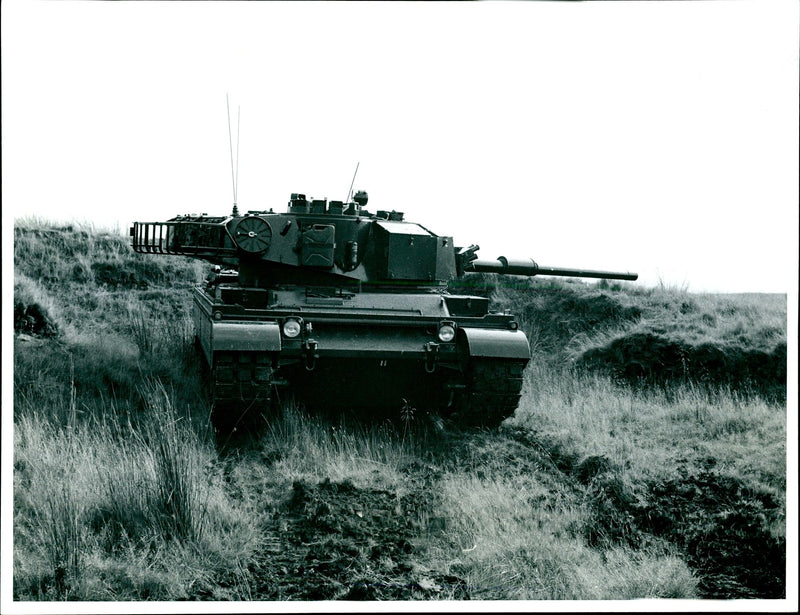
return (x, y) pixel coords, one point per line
(620, 475)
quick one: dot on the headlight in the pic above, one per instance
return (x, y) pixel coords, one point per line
(446, 333)
(291, 327)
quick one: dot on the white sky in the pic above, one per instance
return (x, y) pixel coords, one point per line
(658, 137)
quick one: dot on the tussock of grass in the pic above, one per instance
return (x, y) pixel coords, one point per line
(71, 255)
(645, 432)
(179, 459)
(304, 447)
(158, 335)
(516, 543)
(108, 499)
(59, 525)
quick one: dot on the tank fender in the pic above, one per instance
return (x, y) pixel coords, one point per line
(494, 343)
(245, 336)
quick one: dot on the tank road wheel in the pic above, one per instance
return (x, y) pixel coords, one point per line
(240, 389)
(492, 392)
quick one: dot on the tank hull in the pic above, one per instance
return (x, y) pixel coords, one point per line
(373, 353)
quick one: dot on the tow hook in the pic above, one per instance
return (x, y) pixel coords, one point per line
(431, 353)
(310, 354)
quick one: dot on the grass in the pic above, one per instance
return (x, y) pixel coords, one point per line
(303, 447)
(80, 254)
(598, 488)
(701, 466)
(645, 432)
(522, 542)
(96, 500)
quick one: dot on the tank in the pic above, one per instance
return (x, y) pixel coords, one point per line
(340, 309)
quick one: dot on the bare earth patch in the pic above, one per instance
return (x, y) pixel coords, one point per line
(336, 541)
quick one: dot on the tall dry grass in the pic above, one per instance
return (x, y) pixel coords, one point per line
(514, 526)
(106, 510)
(515, 539)
(78, 254)
(305, 447)
(646, 432)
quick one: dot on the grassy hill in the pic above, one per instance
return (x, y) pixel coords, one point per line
(646, 459)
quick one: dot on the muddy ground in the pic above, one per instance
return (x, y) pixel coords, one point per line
(723, 529)
(335, 541)
(720, 526)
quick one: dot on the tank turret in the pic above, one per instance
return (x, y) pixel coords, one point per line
(348, 309)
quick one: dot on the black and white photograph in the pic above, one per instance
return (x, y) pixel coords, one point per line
(399, 306)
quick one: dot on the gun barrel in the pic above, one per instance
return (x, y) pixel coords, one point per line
(530, 268)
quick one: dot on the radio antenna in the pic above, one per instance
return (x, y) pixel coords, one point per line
(234, 172)
(350, 193)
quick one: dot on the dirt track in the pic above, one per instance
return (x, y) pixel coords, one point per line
(335, 541)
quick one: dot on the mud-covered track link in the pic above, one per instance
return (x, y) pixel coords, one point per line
(240, 387)
(242, 376)
(491, 394)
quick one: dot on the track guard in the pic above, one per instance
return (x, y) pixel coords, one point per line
(254, 337)
(493, 343)
(215, 337)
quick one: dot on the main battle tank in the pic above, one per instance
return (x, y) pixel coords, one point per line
(342, 308)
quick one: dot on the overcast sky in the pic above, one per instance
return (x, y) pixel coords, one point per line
(658, 137)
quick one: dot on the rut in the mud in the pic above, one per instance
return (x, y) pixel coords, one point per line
(724, 531)
(722, 528)
(336, 541)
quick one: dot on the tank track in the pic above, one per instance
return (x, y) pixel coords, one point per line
(492, 393)
(239, 388)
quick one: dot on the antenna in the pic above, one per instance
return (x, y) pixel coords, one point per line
(349, 194)
(234, 174)
(238, 123)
